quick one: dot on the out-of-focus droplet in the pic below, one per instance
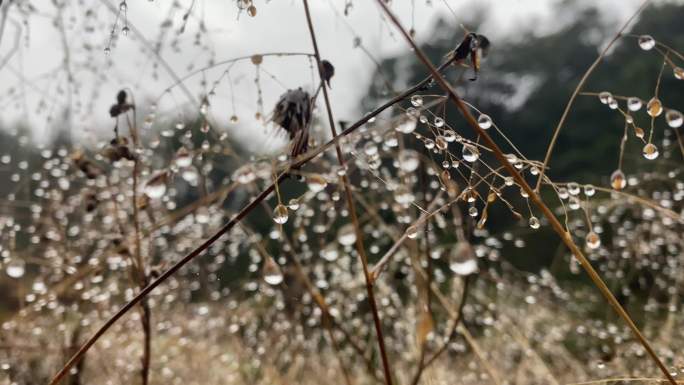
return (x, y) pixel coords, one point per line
(252, 11)
(674, 118)
(416, 100)
(409, 160)
(316, 183)
(15, 268)
(183, 157)
(412, 232)
(462, 259)
(155, 187)
(346, 235)
(244, 174)
(272, 273)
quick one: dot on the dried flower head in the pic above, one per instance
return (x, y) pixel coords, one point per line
(293, 113)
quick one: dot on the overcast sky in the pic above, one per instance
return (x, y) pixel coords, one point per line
(279, 26)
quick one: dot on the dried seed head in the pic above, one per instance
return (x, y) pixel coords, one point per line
(293, 113)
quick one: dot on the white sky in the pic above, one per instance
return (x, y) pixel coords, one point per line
(278, 26)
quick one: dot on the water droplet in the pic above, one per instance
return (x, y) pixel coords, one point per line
(650, 151)
(463, 260)
(272, 273)
(125, 30)
(412, 232)
(316, 183)
(678, 73)
(330, 253)
(416, 100)
(470, 153)
(634, 103)
(472, 211)
(439, 122)
(183, 157)
(639, 132)
(234, 119)
(370, 149)
(674, 118)
(573, 188)
(155, 187)
(244, 174)
(646, 42)
(534, 222)
(406, 127)
(654, 107)
(441, 143)
(346, 235)
(593, 240)
(107, 51)
(280, 214)
(618, 180)
(484, 121)
(123, 7)
(589, 190)
(409, 160)
(605, 97)
(15, 268)
(293, 204)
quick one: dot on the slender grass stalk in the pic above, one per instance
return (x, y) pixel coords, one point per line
(534, 196)
(360, 248)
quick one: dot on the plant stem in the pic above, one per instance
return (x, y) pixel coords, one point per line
(360, 248)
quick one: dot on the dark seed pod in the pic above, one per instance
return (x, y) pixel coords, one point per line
(327, 71)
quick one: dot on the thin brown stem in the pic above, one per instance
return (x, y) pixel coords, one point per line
(360, 248)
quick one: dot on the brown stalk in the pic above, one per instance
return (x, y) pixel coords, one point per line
(536, 199)
(305, 158)
(146, 315)
(360, 248)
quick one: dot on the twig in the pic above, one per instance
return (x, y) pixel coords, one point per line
(360, 248)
